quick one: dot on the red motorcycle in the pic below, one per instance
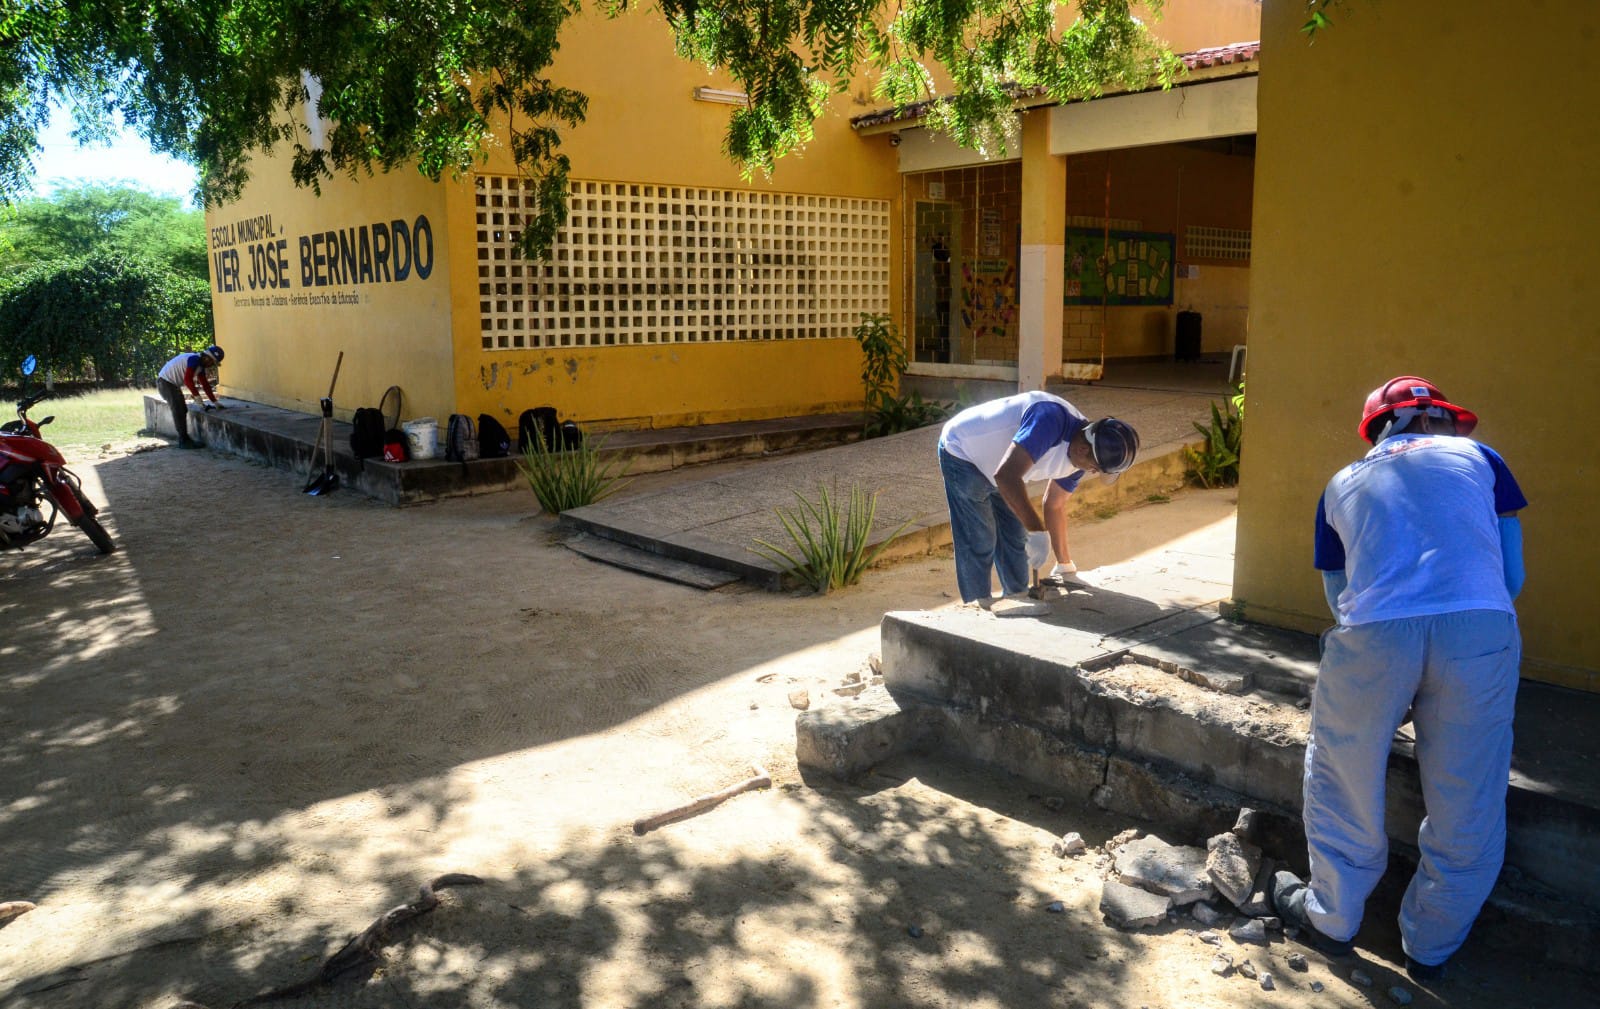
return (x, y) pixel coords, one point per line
(35, 484)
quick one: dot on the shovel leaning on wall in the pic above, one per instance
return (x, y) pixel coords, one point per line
(328, 481)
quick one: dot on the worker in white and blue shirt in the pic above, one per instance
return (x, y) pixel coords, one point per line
(988, 453)
(194, 371)
(1420, 549)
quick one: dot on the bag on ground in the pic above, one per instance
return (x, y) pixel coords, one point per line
(571, 436)
(366, 433)
(493, 441)
(395, 448)
(538, 422)
(460, 439)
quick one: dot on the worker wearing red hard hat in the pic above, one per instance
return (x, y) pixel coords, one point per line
(1420, 551)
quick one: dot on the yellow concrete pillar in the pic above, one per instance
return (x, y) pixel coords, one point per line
(1041, 275)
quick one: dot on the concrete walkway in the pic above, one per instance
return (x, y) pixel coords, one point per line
(715, 523)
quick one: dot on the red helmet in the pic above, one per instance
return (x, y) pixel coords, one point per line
(1409, 390)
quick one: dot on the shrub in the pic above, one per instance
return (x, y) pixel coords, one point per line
(829, 539)
(1216, 462)
(883, 362)
(102, 316)
(572, 478)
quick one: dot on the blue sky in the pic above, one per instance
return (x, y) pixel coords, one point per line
(129, 160)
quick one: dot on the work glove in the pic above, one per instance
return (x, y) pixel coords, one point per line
(1065, 572)
(1038, 549)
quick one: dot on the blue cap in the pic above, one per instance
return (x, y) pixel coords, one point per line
(214, 352)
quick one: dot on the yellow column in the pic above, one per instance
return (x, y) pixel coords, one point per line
(1041, 278)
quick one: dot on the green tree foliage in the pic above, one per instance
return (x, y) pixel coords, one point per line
(789, 55)
(103, 316)
(76, 221)
(425, 82)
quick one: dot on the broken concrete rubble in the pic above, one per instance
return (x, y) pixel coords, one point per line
(1232, 865)
(1259, 905)
(1178, 872)
(1129, 907)
(1069, 844)
(1205, 914)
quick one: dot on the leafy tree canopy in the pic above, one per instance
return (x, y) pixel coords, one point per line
(127, 221)
(421, 81)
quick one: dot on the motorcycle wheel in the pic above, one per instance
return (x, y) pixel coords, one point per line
(97, 533)
(91, 526)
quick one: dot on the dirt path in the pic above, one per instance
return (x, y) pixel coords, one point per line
(266, 720)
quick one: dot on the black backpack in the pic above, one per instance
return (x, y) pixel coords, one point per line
(493, 441)
(538, 422)
(366, 433)
(571, 436)
(460, 439)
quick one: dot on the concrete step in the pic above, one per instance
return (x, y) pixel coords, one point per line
(652, 564)
(1169, 724)
(286, 438)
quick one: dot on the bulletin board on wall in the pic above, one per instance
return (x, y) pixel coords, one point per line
(1119, 267)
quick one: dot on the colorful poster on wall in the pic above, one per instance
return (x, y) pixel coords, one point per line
(1119, 267)
(988, 298)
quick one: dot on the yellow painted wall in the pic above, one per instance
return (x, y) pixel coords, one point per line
(645, 126)
(283, 329)
(1420, 208)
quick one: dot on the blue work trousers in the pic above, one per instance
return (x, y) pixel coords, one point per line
(987, 533)
(1457, 673)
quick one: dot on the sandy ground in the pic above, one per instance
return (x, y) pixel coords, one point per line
(229, 747)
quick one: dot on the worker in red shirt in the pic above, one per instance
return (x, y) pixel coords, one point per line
(184, 371)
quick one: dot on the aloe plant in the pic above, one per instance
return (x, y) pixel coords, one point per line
(828, 539)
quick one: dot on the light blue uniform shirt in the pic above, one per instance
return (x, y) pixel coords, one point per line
(1414, 526)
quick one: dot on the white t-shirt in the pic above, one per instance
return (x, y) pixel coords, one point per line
(1414, 525)
(1041, 423)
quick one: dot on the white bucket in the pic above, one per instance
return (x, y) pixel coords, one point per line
(422, 435)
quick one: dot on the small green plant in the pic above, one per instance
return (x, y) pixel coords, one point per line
(572, 478)
(1216, 462)
(1108, 512)
(904, 413)
(883, 356)
(883, 362)
(828, 539)
(1158, 498)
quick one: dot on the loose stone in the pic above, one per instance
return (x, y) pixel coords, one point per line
(1221, 964)
(1400, 995)
(1070, 844)
(800, 700)
(1266, 982)
(1361, 978)
(914, 931)
(1055, 907)
(1247, 969)
(1316, 986)
(1297, 961)
(1205, 914)
(1209, 937)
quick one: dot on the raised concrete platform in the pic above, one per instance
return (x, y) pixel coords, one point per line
(1134, 694)
(285, 439)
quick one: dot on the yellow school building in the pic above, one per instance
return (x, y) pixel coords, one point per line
(1387, 200)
